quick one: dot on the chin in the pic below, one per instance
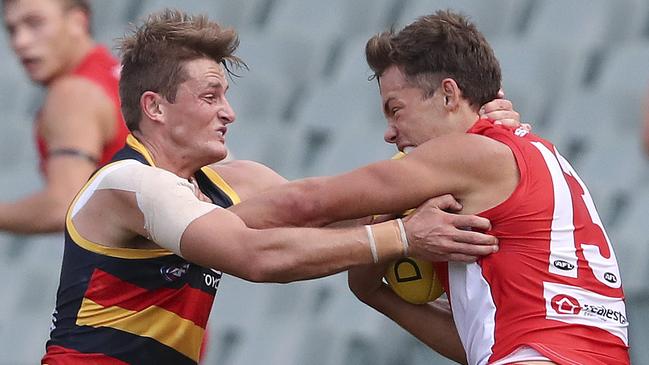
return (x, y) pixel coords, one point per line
(219, 154)
(41, 78)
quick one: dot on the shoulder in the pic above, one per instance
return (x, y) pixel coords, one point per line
(247, 177)
(462, 147)
(134, 176)
(76, 93)
(471, 159)
(74, 103)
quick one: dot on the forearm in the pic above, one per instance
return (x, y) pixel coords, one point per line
(284, 254)
(431, 323)
(288, 205)
(306, 253)
(37, 213)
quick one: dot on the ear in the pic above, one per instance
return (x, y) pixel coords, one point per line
(452, 94)
(79, 21)
(150, 105)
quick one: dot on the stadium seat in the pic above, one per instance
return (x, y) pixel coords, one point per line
(110, 19)
(270, 141)
(331, 111)
(354, 148)
(493, 18)
(631, 244)
(243, 15)
(349, 332)
(257, 96)
(580, 21)
(637, 309)
(351, 64)
(537, 73)
(624, 68)
(289, 57)
(327, 20)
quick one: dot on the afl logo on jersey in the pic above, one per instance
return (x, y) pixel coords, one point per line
(563, 265)
(610, 277)
(173, 273)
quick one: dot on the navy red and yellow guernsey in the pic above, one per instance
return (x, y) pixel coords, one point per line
(132, 306)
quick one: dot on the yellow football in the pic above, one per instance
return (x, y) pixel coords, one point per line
(414, 280)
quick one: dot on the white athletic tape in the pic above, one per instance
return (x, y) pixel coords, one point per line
(370, 237)
(167, 201)
(404, 237)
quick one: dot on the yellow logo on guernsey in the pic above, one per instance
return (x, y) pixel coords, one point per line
(413, 280)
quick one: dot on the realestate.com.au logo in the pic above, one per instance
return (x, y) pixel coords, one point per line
(567, 305)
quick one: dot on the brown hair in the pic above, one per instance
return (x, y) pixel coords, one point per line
(437, 46)
(153, 57)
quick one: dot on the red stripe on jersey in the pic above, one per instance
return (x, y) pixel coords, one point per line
(58, 355)
(108, 290)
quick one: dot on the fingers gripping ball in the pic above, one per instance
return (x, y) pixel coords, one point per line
(414, 280)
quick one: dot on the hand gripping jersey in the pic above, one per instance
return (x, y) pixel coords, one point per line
(131, 306)
(101, 68)
(554, 285)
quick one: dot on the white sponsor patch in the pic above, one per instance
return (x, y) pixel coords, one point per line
(574, 305)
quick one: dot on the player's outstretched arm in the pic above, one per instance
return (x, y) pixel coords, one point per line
(455, 165)
(73, 120)
(156, 204)
(221, 239)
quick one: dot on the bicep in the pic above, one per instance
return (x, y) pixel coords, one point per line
(248, 178)
(382, 188)
(217, 245)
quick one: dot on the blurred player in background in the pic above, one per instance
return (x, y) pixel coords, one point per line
(144, 233)
(552, 293)
(79, 126)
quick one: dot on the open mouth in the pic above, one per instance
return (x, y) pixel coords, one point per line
(221, 132)
(29, 62)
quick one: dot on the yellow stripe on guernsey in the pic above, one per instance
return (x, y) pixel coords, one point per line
(132, 142)
(224, 186)
(124, 253)
(154, 322)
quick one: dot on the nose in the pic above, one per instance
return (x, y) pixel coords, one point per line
(227, 114)
(390, 135)
(20, 39)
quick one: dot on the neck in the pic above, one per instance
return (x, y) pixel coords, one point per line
(166, 156)
(466, 118)
(81, 49)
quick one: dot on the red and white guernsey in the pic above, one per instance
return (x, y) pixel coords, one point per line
(554, 285)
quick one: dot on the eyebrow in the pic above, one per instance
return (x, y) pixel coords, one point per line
(386, 104)
(217, 85)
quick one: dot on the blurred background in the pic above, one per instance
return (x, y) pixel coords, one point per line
(578, 70)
